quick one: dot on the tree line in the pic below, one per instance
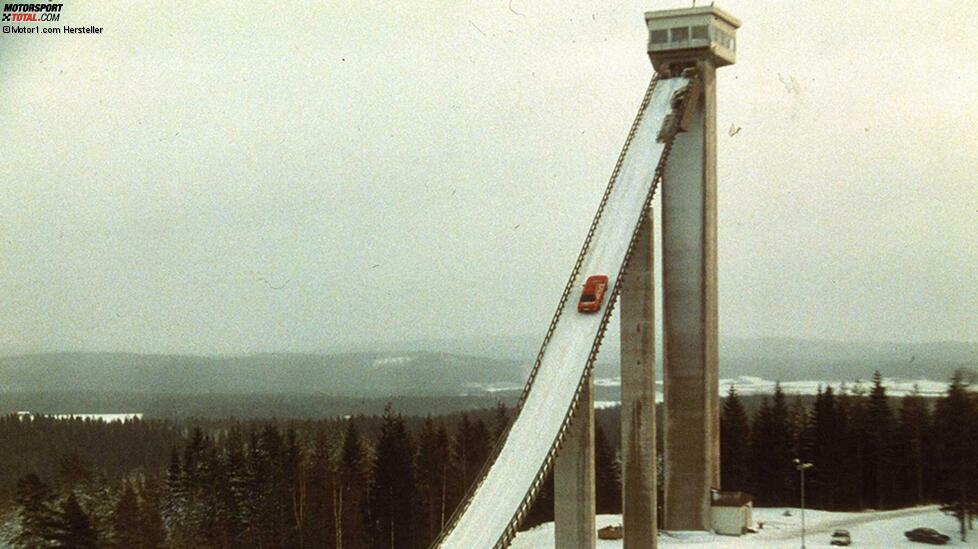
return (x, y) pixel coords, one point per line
(311, 484)
(866, 452)
(393, 482)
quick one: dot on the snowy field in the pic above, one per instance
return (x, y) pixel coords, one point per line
(876, 530)
(108, 418)
(750, 385)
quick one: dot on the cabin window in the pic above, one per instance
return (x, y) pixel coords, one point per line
(679, 34)
(660, 36)
(723, 38)
(700, 32)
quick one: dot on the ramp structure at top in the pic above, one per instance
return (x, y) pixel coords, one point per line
(493, 509)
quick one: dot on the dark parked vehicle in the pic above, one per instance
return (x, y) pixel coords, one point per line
(841, 538)
(927, 535)
(611, 532)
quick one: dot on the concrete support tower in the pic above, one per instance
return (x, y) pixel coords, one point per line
(700, 39)
(574, 479)
(638, 395)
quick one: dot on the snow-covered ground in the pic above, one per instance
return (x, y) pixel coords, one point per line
(108, 418)
(750, 385)
(393, 360)
(870, 529)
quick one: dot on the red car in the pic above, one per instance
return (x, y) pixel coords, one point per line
(594, 288)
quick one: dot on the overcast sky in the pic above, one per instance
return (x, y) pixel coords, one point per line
(252, 176)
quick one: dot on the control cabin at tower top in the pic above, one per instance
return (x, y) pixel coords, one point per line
(680, 38)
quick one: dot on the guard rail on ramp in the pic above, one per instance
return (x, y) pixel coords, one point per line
(493, 509)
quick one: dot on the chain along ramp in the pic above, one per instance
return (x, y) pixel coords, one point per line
(494, 508)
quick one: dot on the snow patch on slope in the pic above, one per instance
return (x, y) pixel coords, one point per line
(388, 360)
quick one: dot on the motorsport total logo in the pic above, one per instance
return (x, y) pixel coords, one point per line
(39, 13)
(32, 13)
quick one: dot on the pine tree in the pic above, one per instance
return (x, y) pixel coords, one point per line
(446, 506)
(956, 441)
(607, 475)
(350, 496)
(468, 455)
(73, 527)
(193, 478)
(913, 435)
(800, 430)
(828, 451)
(735, 450)
(476, 441)
(192, 455)
(318, 512)
(252, 487)
(219, 521)
(461, 451)
(239, 481)
(153, 533)
(879, 459)
(457, 485)
(273, 502)
(761, 439)
(500, 420)
(772, 449)
(37, 516)
(853, 479)
(432, 469)
(295, 477)
(175, 499)
(125, 521)
(782, 448)
(801, 447)
(393, 495)
(73, 470)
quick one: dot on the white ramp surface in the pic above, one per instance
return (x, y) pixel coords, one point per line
(490, 514)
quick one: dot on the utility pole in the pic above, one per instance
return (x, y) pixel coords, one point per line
(802, 467)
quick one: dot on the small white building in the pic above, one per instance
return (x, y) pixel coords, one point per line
(730, 512)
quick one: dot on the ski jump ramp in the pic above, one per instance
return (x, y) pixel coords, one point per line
(492, 511)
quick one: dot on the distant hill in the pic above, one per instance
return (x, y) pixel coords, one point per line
(448, 367)
(783, 359)
(354, 374)
(797, 359)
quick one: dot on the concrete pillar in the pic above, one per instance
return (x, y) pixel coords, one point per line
(689, 237)
(637, 304)
(574, 489)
